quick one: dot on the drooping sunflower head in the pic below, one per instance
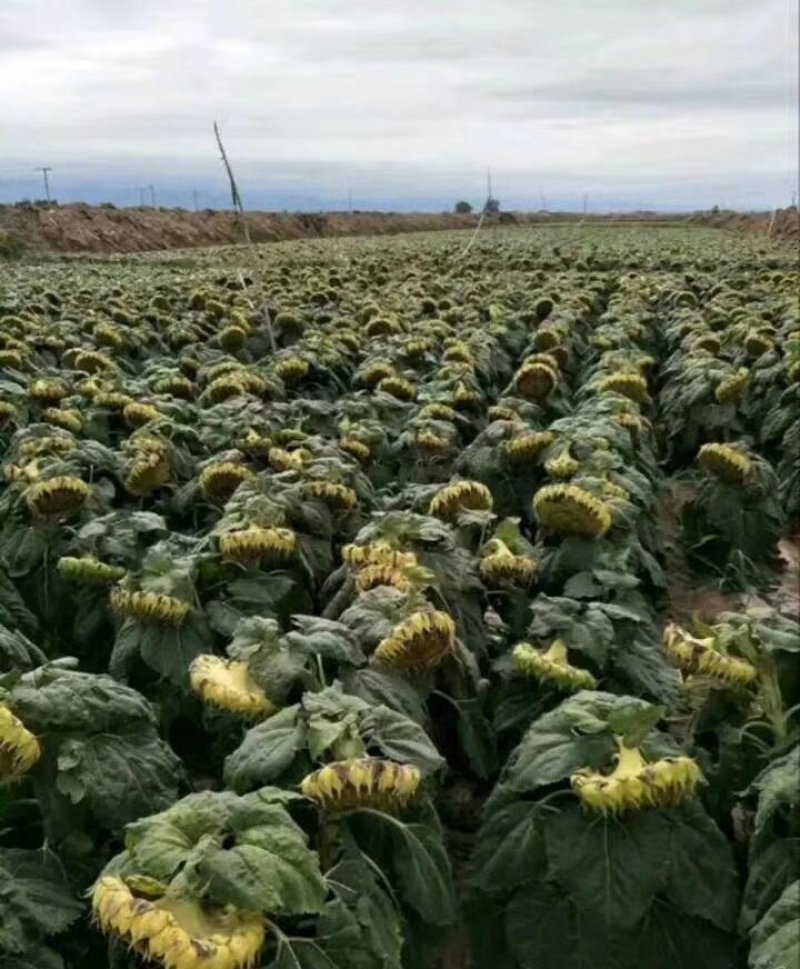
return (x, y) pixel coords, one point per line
(176, 932)
(253, 444)
(89, 570)
(570, 510)
(527, 448)
(46, 391)
(397, 387)
(227, 684)
(377, 553)
(460, 496)
(57, 497)
(420, 642)
(149, 471)
(356, 449)
(66, 418)
(499, 412)
(700, 657)
(732, 388)
(282, 460)
(362, 782)
(253, 545)
(757, 343)
(219, 481)
(372, 576)
(499, 565)
(636, 783)
(437, 412)
(232, 337)
(291, 370)
(562, 467)
(536, 380)
(137, 414)
(7, 413)
(429, 443)
(631, 385)
(113, 400)
(376, 372)
(550, 666)
(19, 749)
(149, 607)
(339, 499)
(633, 423)
(725, 463)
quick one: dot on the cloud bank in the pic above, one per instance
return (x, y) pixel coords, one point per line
(684, 103)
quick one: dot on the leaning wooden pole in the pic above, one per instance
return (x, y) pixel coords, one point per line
(236, 198)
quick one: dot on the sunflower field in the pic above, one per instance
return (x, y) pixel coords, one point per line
(388, 605)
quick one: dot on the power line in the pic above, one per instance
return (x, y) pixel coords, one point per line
(44, 169)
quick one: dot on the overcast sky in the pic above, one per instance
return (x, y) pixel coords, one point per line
(667, 103)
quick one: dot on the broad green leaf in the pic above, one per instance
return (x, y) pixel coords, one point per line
(611, 868)
(266, 752)
(170, 651)
(510, 848)
(777, 787)
(40, 894)
(772, 869)
(400, 738)
(775, 940)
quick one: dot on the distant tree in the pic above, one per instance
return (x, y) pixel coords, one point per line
(463, 208)
(492, 206)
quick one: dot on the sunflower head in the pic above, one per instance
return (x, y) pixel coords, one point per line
(219, 481)
(700, 657)
(362, 782)
(149, 471)
(89, 570)
(460, 496)
(372, 576)
(420, 642)
(631, 385)
(7, 413)
(570, 510)
(635, 783)
(178, 933)
(562, 467)
(57, 497)
(377, 553)
(527, 448)
(356, 449)
(137, 414)
(550, 666)
(291, 370)
(725, 463)
(339, 499)
(756, 343)
(731, 389)
(19, 749)
(46, 391)
(430, 443)
(227, 684)
(499, 412)
(437, 412)
(499, 565)
(536, 380)
(113, 400)
(397, 387)
(68, 419)
(253, 545)
(149, 607)
(376, 372)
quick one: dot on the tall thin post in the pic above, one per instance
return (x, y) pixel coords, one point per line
(236, 198)
(44, 169)
(141, 196)
(152, 191)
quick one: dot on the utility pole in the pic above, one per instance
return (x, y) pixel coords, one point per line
(44, 169)
(350, 201)
(141, 197)
(585, 203)
(152, 195)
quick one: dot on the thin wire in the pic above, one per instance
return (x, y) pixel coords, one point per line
(474, 236)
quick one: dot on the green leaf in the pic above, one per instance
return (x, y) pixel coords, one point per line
(40, 894)
(772, 869)
(379, 688)
(777, 787)
(633, 724)
(582, 586)
(510, 848)
(170, 651)
(36, 956)
(119, 777)
(612, 869)
(269, 869)
(400, 738)
(266, 752)
(669, 939)
(775, 940)
(702, 875)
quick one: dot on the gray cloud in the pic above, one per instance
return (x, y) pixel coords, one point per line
(560, 95)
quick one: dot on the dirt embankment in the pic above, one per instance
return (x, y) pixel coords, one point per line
(86, 228)
(781, 224)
